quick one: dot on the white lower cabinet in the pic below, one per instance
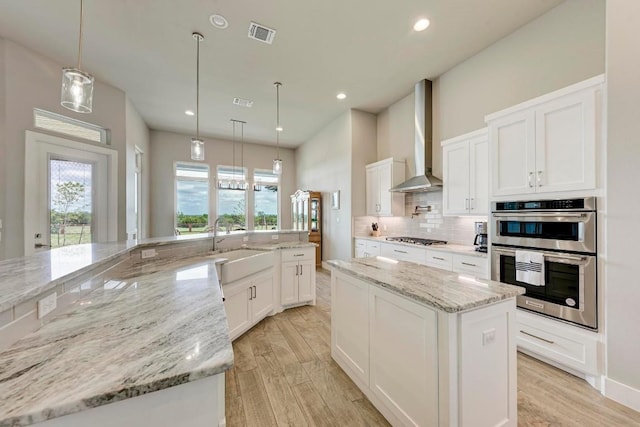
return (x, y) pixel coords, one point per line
(248, 301)
(472, 265)
(403, 253)
(298, 276)
(405, 381)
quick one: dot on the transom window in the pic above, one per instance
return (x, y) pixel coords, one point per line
(67, 126)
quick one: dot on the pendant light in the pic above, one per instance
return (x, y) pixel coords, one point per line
(243, 182)
(77, 86)
(197, 144)
(277, 162)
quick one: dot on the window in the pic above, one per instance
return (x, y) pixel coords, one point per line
(265, 197)
(192, 198)
(68, 126)
(232, 198)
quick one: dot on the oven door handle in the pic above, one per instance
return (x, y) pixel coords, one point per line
(539, 214)
(546, 255)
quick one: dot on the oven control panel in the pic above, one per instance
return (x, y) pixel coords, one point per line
(583, 204)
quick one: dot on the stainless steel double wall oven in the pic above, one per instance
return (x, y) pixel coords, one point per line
(564, 232)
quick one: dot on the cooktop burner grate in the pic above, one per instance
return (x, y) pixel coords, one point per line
(417, 241)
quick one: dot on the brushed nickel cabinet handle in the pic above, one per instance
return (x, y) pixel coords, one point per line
(255, 291)
(438, 258)
(530, 179)
(469, 264)
(537, 337)
(298, 255)
(539, 178)
(250, 293)
(401, 252)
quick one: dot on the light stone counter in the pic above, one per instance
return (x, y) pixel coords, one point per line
(443, 290)
(133, 334)
(469, 250)
(279, 245)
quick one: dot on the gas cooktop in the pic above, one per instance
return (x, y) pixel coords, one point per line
(417, 241)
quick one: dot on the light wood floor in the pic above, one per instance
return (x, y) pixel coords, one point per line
(284, 375)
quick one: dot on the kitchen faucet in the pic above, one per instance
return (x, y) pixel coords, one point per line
(215, 230)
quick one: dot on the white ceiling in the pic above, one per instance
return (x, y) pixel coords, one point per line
(366, 48)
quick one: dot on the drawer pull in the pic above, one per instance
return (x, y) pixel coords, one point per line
(469, 264)
(402, 252)
(298, 255)
(438, 258)
(537, 337)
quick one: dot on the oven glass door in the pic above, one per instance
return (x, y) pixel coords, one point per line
(569, 231)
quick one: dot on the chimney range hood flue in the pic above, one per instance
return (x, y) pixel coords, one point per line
(423, 122)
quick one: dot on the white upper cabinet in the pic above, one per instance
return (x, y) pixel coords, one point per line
(547, 144)
(381, 177)
(466, 174)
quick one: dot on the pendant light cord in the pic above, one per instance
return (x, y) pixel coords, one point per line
(234, 149)
(198, 38)
(278, 84)
(80, 37)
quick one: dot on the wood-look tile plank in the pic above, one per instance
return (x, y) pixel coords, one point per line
(256, 405)
(314, 336)
(295, 373)
(299, 346)
(279, 392)
(244, 360)
(231, 383)
(369, 414)
(234, 411)
(314, 408)
(259, 342)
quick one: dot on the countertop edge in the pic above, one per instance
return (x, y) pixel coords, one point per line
(468, 249)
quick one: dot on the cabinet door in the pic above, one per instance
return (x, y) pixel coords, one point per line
(479, 176)
(305, 283)
(350, 315)
(262, 302)
(513, 154)
(473, 265)
(455, 193)
(373, 191)
(359, 248)
(566, 143)
(289, 286)
(372, 248)
(237, 307)
(406, 381)
(385, 172)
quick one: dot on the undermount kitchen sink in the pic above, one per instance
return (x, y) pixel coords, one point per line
(235, 265)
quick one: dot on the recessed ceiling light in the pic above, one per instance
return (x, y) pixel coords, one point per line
(421, 24)
(218, 21)
(190, 113)
(341, 95)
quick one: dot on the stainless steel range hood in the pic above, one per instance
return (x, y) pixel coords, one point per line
(423, 121)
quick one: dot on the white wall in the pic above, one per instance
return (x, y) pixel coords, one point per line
(166, 148)
(137, 136)
(32, 80)
(563, 46)
(623, 202)
(363, 152)
(324, 164)
(3, 154)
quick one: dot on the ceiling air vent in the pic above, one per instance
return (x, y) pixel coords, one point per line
(242, 102)
(261, 33)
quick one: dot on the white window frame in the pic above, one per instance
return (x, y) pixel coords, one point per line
(186, 178)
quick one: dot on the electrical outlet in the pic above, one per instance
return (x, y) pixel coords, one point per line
(47, 304)
(275, 237)
(488, 336)
(148, 253)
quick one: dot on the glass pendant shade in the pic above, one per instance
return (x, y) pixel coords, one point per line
(197, 149)
(77, 90)
(277, 166)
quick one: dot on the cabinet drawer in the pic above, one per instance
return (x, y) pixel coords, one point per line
(437, 259)
(476, 266)
(561, 343)
(403, 253)
(373, 248)
(360, 243)
(298, 254)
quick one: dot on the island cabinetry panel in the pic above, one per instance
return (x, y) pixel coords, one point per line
(350, 336)
(548, 144)
(380, 178)
(466, 174)
(248, 301)
(404, 357)
(298, 276)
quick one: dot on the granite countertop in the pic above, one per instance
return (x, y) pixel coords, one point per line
(279, 245)
(469, 250)
(130, 336)
(443, 290)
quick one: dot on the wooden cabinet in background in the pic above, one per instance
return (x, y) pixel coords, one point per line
(306, 214)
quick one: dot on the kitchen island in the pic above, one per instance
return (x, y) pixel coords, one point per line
(427, 347)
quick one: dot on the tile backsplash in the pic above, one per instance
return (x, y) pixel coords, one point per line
(427, 225)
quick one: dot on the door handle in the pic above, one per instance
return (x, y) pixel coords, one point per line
(539, 178)
(530, 179)
(301, 270)
(466, 204)
(250, 293)
(255, 291)
(472, 205)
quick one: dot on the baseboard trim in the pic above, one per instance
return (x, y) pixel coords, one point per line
(622, 393)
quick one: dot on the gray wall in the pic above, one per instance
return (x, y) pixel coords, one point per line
(324, 164)
(623, 198)
(166, 148)
(32, 80)
(3, 154)
(563, 46)
(363, 152)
